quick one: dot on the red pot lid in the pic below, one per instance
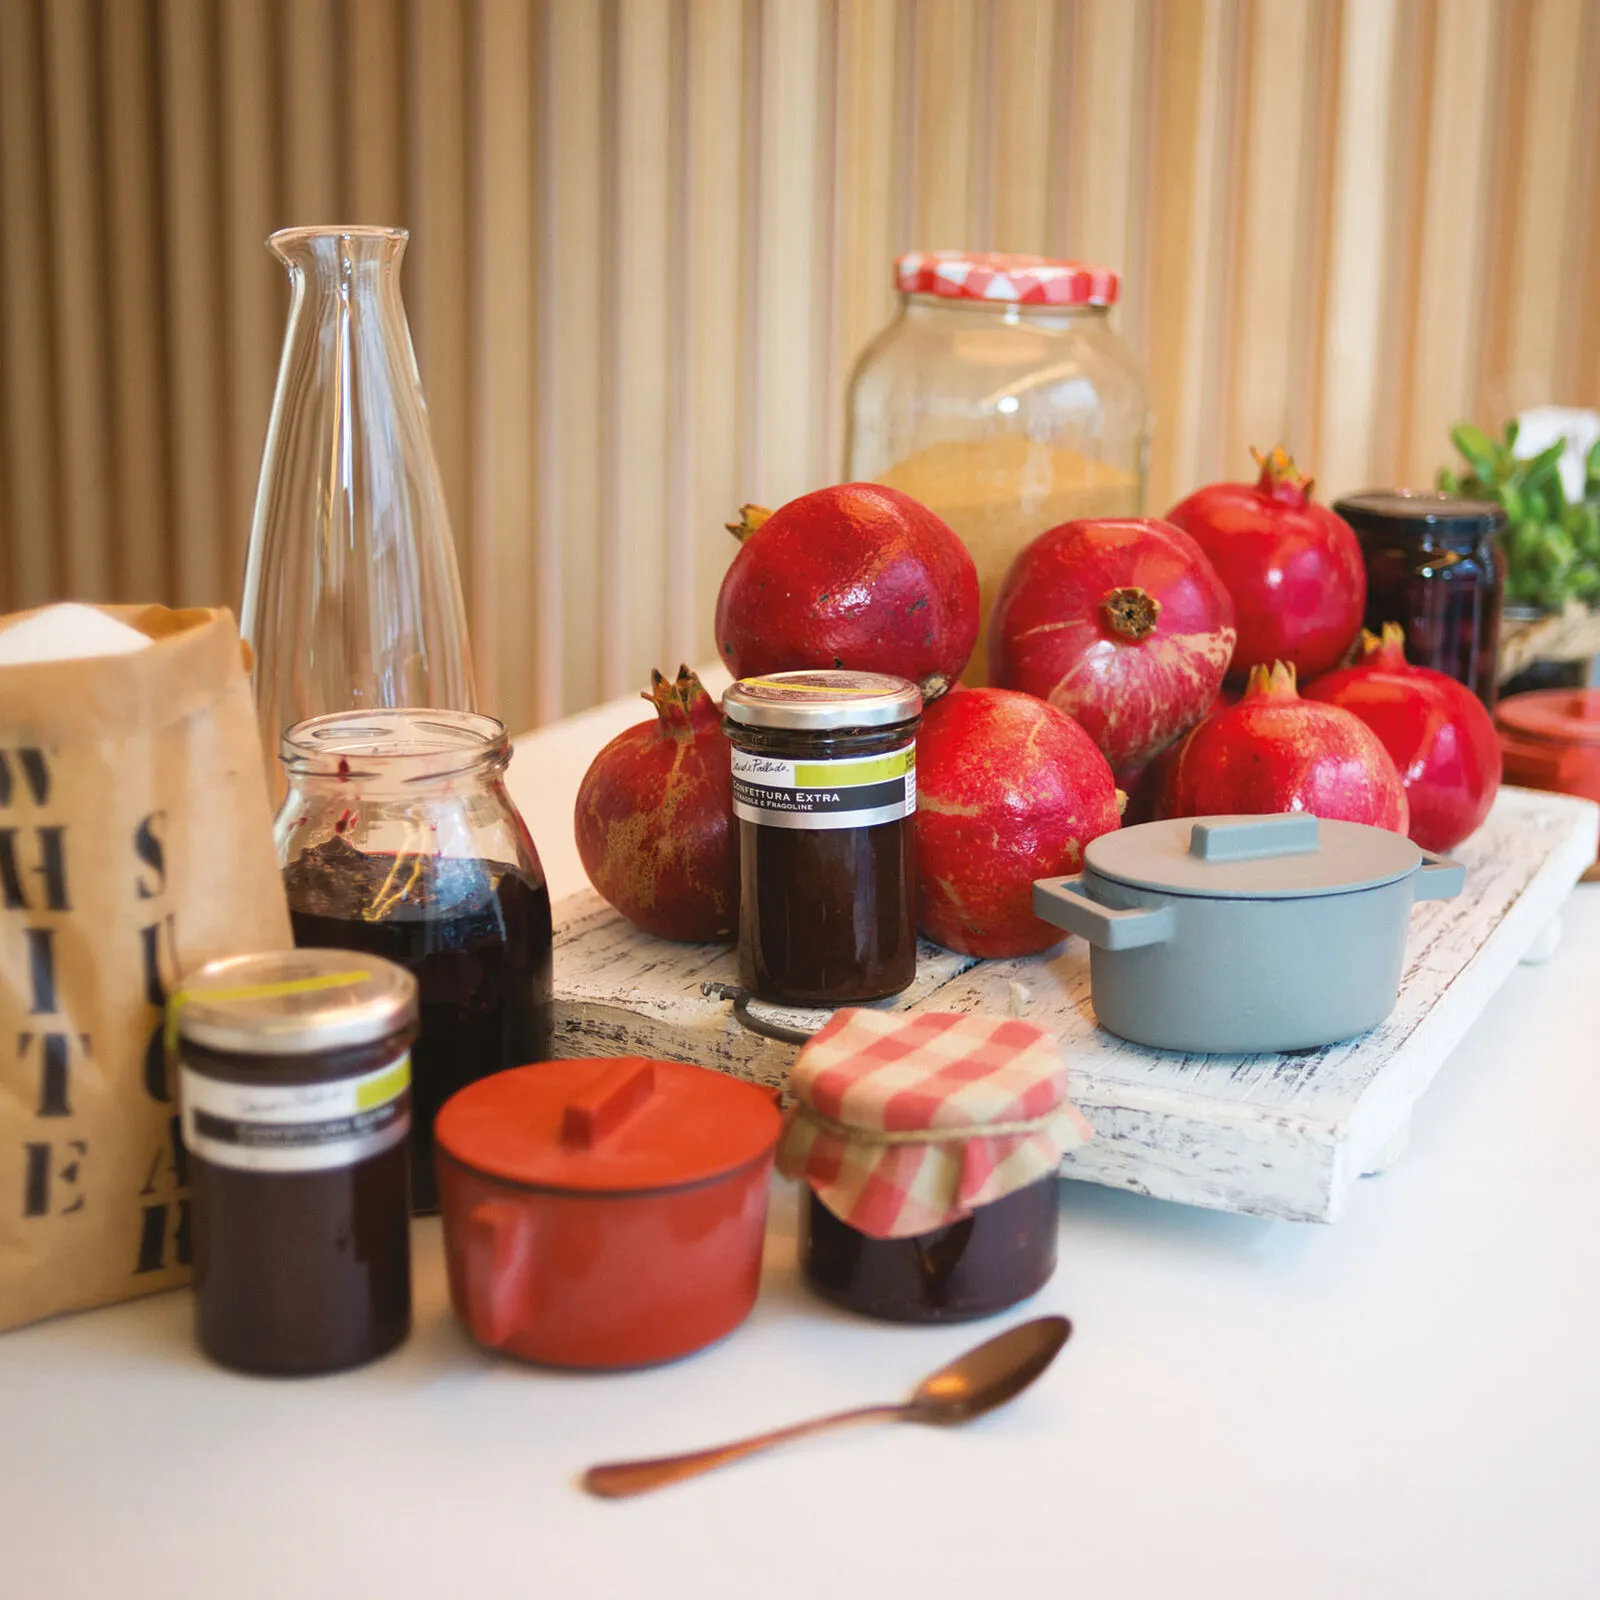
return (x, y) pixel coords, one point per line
(1561, 716)
(608, 1126)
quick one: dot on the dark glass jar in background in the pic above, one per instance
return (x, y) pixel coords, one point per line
(397, 837)
(294, 1073)
(825, 789)
(1434, 566)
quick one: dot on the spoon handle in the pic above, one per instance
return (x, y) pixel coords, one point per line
(617, 1479)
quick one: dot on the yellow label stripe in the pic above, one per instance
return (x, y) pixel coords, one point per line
(379, 1091)
(847, 774)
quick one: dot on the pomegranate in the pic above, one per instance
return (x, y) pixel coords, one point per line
(654, 818)
(1294, 569)
(1146, 785)
(1120, 622)
(1274, 751)
(1441, 738)
(1009, 789)
(854, 576)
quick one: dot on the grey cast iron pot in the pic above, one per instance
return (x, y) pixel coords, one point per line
(1245, 934)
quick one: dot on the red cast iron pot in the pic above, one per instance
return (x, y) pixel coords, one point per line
(604, 1213)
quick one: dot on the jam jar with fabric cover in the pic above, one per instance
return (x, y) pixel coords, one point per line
(398, 839)
(928, 1145)
(1001, 398)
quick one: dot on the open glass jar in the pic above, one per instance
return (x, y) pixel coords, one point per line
(397, 837)
(1001, 398)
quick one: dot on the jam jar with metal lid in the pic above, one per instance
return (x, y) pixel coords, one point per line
(928, 1146)
(397, 837)
(1434, 566)
(294, 1071)
(824, 791)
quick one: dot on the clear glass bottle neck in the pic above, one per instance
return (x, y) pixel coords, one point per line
(340, 260)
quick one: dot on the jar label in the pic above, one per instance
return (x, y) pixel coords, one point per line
(854, 792)
(296, 1127)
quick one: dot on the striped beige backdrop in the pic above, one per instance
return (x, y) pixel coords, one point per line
(649, 237)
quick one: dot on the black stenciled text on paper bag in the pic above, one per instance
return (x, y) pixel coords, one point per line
(164, 1212)
(50, 1165)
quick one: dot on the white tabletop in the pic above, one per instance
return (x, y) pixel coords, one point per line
(1406, 1404)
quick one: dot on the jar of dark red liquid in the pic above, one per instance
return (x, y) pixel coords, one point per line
(397, 837)
(294, 1076)
(928, 1145)
(825, 789)
(1434, 566)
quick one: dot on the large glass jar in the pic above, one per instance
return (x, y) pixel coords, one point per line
(397, 838)
(1001, 398)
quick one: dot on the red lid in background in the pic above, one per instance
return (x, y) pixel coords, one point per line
(608, 1126)
(1004, 279)
(1561, 716)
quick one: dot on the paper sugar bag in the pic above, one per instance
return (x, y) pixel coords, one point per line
(135, 843)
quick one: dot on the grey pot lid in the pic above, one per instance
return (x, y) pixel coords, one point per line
(1253, 858)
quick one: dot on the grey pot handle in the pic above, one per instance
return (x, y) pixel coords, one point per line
(1438, 878)
(1063, 902)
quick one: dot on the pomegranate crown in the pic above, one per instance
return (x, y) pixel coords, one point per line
(681, 703)
(1276, 682)
(1385, 650)
(1280, 478)
(750, 521)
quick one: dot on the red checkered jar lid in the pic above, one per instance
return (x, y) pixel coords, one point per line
(907, 1122)
(1005, 279)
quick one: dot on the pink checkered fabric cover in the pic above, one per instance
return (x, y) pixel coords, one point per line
(1009, 279)
(869, 1082)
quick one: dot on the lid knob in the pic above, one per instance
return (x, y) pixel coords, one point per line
(596, 1112)
(1254, 838)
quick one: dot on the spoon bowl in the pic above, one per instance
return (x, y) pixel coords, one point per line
(989, 1374)
(984, 1377)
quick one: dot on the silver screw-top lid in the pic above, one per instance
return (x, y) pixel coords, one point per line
(816, 701)
(293, 1002)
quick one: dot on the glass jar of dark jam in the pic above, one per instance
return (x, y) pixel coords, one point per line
(294, 1073)
(1434, 566)
(825, 789)
(398, 839)
(1001, 1253)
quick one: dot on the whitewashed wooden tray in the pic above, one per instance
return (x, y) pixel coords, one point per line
(1276, 1136)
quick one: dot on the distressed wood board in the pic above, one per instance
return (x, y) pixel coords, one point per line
(1271, 1135)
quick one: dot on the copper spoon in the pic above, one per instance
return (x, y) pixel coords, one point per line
(972, 1384)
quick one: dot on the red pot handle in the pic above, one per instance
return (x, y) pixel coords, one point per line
(499, 1251)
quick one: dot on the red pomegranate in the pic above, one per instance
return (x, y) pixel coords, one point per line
(1274, 752)
(1009, 789)
(1147, 785)
(1442, 740)
(1294, 569)
(854, 576)
(1120, 622)
(654, 818)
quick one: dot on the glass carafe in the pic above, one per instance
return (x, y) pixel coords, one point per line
(352, 596)
(397, 837)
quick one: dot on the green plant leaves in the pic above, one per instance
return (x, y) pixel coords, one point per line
(1552, 547)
